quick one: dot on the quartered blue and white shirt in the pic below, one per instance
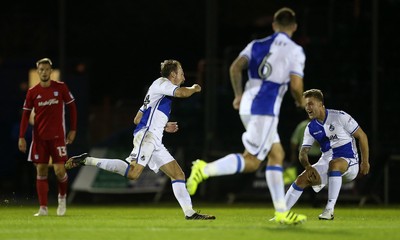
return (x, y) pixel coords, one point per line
(156, 106)
(271, 62)
(334, 135)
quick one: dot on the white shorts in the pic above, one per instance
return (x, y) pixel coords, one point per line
(261, 133)
(322, 167)
(149, 150)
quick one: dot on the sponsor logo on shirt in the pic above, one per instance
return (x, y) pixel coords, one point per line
(48, 102)
(318, 132)
(333, 137)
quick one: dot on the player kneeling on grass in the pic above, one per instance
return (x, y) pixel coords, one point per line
(148, 149)
(335, 131)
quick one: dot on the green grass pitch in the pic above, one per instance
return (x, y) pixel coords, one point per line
(166, 221)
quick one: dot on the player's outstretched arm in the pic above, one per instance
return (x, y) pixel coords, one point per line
(184, 92)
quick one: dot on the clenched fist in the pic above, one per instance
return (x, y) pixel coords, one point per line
(313, 176)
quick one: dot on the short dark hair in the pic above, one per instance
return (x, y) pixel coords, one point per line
(169, 66)
(285, 17)
(44, 60)
(315, 93)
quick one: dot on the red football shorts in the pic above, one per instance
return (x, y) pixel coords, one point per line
(42, 150)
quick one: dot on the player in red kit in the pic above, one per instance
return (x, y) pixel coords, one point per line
(47, 100)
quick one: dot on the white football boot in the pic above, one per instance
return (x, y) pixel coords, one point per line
(327, 214)
(42, 212)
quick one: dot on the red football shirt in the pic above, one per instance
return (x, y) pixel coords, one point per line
(48, 104)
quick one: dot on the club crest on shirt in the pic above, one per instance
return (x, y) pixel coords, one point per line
(55, 93)
(331, 128)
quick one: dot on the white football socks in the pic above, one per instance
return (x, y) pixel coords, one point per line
(228, 165)
(335, 183)
(274, 177)
(183, 197)
(292, 195)
(112, 165)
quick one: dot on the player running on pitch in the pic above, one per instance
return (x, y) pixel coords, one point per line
(274, 64)
(148, 149)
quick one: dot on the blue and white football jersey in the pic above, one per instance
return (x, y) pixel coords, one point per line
(156, 106)
(271, 62)
(334, 135)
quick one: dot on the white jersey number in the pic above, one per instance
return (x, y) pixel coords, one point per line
(265, 68)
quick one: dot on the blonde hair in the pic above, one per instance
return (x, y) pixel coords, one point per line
(315, 93)
(169, 66)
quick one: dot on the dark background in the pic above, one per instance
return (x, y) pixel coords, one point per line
(109, 51)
